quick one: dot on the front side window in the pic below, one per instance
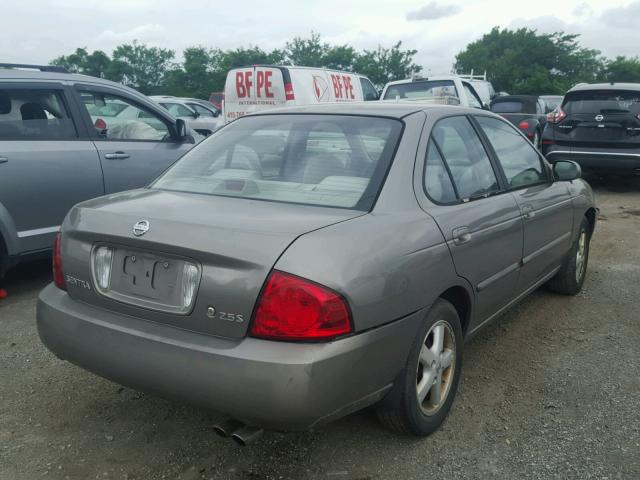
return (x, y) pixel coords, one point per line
(202, 111)
(466, 159)
(327, 160)
(422, 89)
(519, 160)
(369, 92)
(34, 115)
(474, 101)
(177, 110)
(118, 118)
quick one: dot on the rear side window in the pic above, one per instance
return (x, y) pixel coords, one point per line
(519, 160)
(465, 157)
(602, 102)
(34, 115)
(437, 181)
(325, 160)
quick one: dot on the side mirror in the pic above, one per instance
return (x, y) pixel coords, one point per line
(370, 96)
(566, 170)
(181, 129)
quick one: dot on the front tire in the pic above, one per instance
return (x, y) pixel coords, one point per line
(425, 389)
(570, 278)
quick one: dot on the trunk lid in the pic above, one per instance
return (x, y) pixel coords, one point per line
(233, 242)
(600, 118)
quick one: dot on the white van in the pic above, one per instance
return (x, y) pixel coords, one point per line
(260, 87)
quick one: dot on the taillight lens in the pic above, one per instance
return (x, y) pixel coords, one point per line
(556, 116)
(523, 125)
(292, 308)
(190, 276)
(58, 274)
(102, 261)
(288, 92)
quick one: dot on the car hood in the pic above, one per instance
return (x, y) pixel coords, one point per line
(235, 241)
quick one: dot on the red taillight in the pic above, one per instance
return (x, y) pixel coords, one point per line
(288, 92)
(548, 142)
(292, 308)
(556, 116)
(523, 125)
(58, 275)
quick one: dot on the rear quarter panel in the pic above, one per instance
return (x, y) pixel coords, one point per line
(388, 263)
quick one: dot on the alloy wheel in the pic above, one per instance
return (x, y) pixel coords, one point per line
(436, 367)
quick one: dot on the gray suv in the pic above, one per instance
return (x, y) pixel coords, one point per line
(65, 138)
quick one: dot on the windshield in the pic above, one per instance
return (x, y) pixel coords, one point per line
(328, 160)
(421, 89)
(602, 101)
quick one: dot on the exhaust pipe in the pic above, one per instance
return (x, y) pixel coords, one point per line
(246, 435)
(227, 427)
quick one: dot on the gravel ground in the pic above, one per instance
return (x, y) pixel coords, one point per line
(550, 390)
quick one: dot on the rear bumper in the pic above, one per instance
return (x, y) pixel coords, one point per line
(274, 385)
(627, 161)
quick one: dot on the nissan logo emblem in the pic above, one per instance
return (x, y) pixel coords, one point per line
(599, 118)
(141, 228)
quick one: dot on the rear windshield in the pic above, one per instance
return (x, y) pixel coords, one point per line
(602, 101)
(421, 89)
(513, 107)
(325, 160)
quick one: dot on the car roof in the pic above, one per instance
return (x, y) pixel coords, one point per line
(605, 86)
(44, 76)
(385, 108)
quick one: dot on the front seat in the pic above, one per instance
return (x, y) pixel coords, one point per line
(32, 111)
(7, 130)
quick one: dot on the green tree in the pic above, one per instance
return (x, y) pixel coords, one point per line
(309, 52)
(622, 69)
(386, 64)
(95, 64)
(140, 66)
(523, 61)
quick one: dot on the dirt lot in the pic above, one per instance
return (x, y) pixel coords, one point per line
(550, 390)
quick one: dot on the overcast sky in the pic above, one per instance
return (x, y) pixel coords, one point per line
(35, 31)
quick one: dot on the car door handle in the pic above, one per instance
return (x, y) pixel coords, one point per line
(528, 212)
(4, 159)
(461, 235)
(116, 156)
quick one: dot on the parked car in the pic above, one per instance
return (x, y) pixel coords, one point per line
(304, 263)
(527, 112)
(262, 87)
(551, 102)
(203, 107)
(447, 90)
(598, 126)
(197, 116)
(65, 138)
(216, 99)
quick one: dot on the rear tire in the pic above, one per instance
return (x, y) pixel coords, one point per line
(425, 389)
(570, 278)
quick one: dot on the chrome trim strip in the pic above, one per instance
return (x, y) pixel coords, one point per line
(494, 278)
(38, 231)
(548, 246)
(566, 152)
